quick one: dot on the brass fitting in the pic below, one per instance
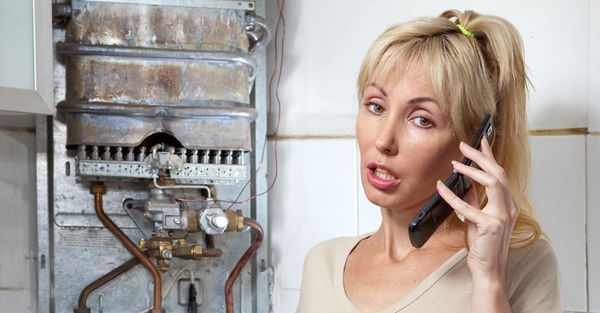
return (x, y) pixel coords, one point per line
(163, 265)
(97, 187)
(165, 181)
(236, 220)
(153, 310)
(161, 249)
(164, 249)
(192, 225)
(196, 252)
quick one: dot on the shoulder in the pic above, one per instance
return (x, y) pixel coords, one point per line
(538, 253)
(534, 278)
(331, 251)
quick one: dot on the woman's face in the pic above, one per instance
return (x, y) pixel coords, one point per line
(406, 143)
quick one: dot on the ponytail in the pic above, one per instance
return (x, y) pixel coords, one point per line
(502, 50)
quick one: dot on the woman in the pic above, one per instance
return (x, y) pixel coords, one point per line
(424, 88)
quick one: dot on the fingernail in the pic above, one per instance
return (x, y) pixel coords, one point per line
(454, 162)
(462, 143)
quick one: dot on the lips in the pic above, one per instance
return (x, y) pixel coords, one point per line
(381, 177)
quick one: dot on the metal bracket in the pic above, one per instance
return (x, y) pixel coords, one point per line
(190, 173)
(135, 210)
(213, 4)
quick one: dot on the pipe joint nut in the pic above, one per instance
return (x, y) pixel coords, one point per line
(97, 188)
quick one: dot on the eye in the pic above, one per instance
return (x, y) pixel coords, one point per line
(375, 108)
(422, 122)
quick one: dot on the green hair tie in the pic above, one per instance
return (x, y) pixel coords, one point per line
(465, 31)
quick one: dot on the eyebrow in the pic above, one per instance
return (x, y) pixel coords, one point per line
(379, 88)
(418, 100)
(413, 101)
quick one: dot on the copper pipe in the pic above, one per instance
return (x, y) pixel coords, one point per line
(210, 249)
(102, 281)
(97, 190)
(212, 252)
(242, 262)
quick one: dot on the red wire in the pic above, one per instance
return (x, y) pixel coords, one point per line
(278, 65)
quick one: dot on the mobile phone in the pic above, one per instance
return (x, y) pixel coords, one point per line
(436, 210)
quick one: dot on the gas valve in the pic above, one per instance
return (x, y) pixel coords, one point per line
(213, 220)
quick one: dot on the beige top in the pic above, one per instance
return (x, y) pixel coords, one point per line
(532, 274)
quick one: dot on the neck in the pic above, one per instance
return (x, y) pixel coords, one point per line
(392, 236)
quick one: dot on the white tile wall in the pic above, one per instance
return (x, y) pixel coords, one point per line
(17, 221)
(557, 190)
(594, 104)
(594, 222)
(326, 41)
(312, 201)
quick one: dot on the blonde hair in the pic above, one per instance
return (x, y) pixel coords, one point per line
(471, 75)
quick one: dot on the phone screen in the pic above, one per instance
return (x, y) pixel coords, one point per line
(436, 210)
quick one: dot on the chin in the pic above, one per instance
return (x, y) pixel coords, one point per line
(391, 200)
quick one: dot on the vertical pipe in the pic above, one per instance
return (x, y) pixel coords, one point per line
(97, 189)
(254, 225)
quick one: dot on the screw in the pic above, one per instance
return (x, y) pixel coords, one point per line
(166, 253)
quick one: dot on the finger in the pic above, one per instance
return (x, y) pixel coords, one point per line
(486, 149)
(485, 163)
(493, 185)
(460, 206)
(475, 174)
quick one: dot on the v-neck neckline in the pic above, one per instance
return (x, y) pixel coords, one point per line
(402, 303)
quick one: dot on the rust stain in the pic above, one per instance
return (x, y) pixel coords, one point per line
(164, 81)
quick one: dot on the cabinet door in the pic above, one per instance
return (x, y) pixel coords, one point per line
(26, 56)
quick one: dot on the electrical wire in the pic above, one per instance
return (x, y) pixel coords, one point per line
(277, 71)
(171, 283)
(175, 278)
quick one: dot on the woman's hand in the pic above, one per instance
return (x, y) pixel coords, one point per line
(488, 229)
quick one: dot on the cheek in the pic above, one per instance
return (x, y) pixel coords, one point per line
(364, 135)
(430, 159)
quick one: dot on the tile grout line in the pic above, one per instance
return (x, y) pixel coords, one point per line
(17, 129)
(586, 225)
(531, 133)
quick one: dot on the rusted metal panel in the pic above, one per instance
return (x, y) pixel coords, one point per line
(195, 128)
(142, 81)
(125, 60)
(159, 27)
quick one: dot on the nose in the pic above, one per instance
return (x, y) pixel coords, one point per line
(386, 141)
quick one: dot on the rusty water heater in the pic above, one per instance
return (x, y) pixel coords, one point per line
(161, 106)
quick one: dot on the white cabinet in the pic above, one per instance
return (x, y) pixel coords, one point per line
(26, 56)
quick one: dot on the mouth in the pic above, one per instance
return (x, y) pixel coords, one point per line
(381, 177)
